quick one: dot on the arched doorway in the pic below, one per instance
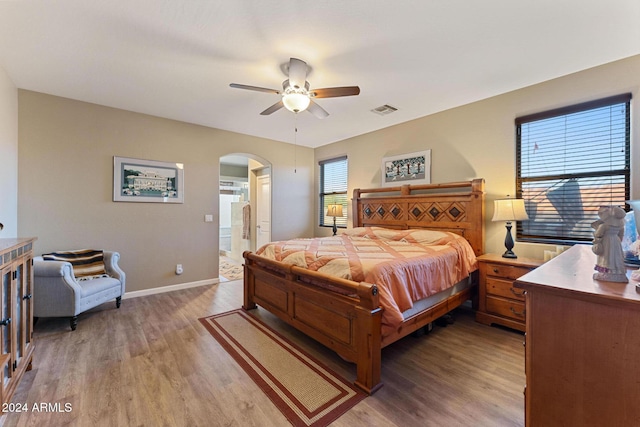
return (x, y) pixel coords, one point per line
(244, 209)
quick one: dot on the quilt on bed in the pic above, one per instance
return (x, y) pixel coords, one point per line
(406, 265)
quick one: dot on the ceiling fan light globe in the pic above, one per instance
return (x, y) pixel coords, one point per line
(296, 102)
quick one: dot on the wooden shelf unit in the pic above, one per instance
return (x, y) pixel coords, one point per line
(16, 313)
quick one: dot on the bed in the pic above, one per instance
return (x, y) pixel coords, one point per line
(346, 315)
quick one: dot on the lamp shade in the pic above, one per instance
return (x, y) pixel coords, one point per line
(509, 210)
(334, 210)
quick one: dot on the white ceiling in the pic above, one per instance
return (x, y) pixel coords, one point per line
(176, 58)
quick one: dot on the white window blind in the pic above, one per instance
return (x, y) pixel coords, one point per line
(570, 162)
(333, 190)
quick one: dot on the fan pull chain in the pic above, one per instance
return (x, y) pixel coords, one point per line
(295, 144)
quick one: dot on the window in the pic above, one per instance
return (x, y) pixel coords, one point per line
(333, 190)
(569, 162)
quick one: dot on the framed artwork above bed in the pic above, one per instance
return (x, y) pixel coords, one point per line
(410, 168)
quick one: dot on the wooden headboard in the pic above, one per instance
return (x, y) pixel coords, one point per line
(457, 207)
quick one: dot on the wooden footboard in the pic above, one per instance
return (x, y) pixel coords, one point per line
(341, 314)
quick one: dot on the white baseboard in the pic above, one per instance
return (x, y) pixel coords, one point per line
(170, 288)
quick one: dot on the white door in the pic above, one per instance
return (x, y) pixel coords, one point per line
(263, 210)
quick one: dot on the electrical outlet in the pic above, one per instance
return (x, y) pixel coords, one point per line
(179, 269)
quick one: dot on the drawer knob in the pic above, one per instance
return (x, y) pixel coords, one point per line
(495, 270)
(517, 293)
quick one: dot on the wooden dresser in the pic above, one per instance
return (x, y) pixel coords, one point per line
(582, 346)
(499, 302)
(16, 313)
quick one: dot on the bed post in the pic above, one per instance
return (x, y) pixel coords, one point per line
(249, 284)
(476, 210)
(355, 212)
(368, 339)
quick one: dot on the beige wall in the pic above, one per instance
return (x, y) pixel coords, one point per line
(65, 178)
(8, 156)
(478, 140)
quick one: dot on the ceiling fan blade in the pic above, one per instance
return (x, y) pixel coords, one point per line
(333, 92)
(317, 110)
(297, 72)
(256, 88)
(275, 107)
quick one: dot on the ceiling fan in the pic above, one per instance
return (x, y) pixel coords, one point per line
(296, 95)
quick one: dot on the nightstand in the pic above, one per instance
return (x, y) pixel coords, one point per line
(500, 303)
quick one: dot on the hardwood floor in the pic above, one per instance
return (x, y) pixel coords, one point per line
(151, 363)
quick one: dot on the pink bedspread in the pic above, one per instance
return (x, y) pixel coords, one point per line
(406, 265)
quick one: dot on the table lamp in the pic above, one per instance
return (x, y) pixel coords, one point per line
(334, 211)
(509, 210)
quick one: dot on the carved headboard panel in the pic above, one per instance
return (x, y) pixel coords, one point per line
(457, 207)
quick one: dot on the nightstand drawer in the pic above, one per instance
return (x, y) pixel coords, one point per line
(506, 271)
(503, 288)
(506, 308)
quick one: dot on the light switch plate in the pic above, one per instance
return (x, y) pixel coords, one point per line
(208, 218)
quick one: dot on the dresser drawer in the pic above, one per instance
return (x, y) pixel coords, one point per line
(507, 308)
(506, 271)
(503, 288)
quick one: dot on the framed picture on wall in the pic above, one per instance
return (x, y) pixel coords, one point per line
(137, 180)
(410, 168)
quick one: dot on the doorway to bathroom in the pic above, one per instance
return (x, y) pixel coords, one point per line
(244, 210)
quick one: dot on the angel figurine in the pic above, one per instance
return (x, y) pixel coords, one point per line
(607, 238)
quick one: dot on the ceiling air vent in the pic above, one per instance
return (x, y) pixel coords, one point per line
(384, 110)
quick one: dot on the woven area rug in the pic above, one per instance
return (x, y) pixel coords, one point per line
(305, 391)
(231, 271)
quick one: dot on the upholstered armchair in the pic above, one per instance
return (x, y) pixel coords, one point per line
(69, 283)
